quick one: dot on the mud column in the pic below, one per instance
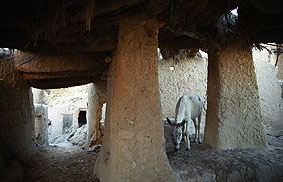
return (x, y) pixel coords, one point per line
(16, 114)
(233, 118)
(41, 124)
(96, 98)
(133, 144)
(280, 68)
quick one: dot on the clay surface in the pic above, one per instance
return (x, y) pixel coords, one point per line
(96, 98)
(16, 113)
(280, 67)
(60, 71)
(41, 124)
(234, 117)
(36, 63)
(133, 145)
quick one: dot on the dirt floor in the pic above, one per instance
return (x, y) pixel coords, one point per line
(67, 163)
(204, 164)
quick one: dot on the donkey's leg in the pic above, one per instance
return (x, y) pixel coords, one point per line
(186, 136)
(184, 132)
(199, 121)
(195, 124)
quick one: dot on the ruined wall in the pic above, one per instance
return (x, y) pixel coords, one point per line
(16, 114)
(271, 101)
(189, 76)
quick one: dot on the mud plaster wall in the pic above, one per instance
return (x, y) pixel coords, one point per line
(234, 118)
(189, 76)
(270, 94)
(16, 114)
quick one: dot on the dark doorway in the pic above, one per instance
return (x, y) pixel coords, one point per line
(82, 118)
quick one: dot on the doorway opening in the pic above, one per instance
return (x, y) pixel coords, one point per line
(82, 118)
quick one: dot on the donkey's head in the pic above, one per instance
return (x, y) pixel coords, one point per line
(177, 133)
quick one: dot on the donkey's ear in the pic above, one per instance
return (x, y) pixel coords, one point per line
(168, 120)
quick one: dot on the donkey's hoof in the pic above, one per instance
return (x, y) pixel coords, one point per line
(187, 149)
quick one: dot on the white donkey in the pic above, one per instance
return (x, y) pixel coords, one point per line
(188, 107)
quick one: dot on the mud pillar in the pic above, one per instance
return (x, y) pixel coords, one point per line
(41, 124)
(279, 73)
(16, 114)
(233, 118)
(133, 145)
(96, 98)
(40, 96)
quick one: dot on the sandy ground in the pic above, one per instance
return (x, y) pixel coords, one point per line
(67, 163)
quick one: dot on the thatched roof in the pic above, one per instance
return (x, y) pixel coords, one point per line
(64, 28)
(91, 25)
